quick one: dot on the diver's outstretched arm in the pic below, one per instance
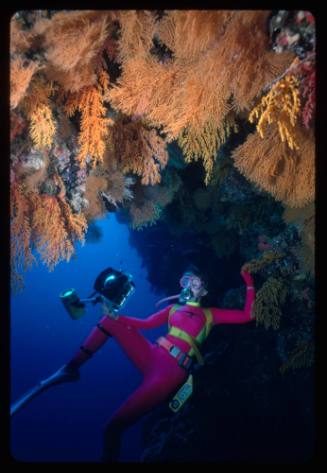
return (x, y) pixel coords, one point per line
(153, 321)
(235, 316)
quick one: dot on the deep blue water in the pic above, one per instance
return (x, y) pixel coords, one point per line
(65, 423)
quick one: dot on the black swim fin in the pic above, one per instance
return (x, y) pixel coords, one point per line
(63, 375)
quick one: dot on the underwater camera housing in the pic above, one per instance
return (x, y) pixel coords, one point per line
(112, 287)
(72, 303)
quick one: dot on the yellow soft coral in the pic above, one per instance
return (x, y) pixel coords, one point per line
(282, 106)
(266, 259)
(42, 127)
(304, 219)
(302, 356)
(269, 299)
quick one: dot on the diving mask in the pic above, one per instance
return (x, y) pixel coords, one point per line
(190, 281)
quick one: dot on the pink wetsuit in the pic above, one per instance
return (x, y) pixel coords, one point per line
(161, 373)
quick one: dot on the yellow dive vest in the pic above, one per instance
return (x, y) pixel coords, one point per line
(194, 342)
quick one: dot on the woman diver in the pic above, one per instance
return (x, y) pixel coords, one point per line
(165, 364)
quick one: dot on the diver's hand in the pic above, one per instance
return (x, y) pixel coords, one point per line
(106, 311)
(247, 277)
(112, 316)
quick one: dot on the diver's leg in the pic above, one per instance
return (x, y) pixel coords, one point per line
(160, 382)
(98, 336)
(135, 345)
(149, 394)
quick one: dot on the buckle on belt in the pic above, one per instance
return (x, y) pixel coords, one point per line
(185, 361)
(175, 351)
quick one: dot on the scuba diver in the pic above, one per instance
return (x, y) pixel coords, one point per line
(166, 365)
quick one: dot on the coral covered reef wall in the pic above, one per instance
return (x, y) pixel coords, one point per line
(197, 128)
(97, 96)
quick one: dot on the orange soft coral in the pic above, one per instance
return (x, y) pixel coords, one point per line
(20, 40)
(17, 125)
(94, 124)
(193, 89)
(144, 214)
(139, 150)
(73, 42)
(288, 175)
(212, 68)
(179, 28)
(137, 28)
(55, 228)
(74, 38)
(20, 230)
(21, 73)
(94, 186)
(37, 108)
(204, 143)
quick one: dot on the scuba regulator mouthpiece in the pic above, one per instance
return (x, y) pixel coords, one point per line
(185, 295)
(112, 287)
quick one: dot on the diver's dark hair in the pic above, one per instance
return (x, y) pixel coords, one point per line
(191, 268)
(203, 269)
